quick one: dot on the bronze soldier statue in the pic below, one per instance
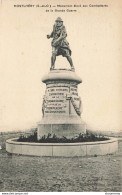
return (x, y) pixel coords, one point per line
(60, 46)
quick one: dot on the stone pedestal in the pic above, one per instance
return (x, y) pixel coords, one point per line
(61, 106)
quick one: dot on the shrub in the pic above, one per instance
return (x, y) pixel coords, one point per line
(88, 137)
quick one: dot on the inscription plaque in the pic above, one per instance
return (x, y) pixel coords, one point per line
(57, 98)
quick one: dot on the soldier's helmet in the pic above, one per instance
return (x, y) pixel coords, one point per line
(59, 19)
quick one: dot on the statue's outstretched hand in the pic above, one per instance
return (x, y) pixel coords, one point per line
(48, 36)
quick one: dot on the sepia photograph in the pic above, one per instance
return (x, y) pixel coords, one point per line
(60, 96)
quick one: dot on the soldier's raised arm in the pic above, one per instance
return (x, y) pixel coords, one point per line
(63, 33)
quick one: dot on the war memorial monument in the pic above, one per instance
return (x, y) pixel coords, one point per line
(61, 111)
(61, 106)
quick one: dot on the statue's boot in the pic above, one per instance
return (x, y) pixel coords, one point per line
(71, 63)
(72, 68)
(52, 68)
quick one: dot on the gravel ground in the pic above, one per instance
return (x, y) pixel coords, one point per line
(33, 174)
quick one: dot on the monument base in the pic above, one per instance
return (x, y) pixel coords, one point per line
(62, 106)
(66, 128)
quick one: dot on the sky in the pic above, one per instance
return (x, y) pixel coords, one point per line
(94, 35)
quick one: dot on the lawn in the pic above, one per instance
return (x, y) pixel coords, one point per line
(47, 174)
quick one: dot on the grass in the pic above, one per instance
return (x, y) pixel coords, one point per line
(46, 174)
